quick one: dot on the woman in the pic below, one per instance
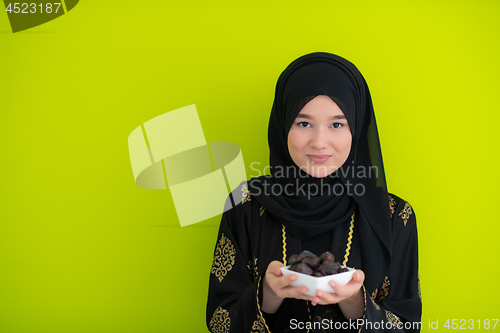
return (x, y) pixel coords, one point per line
(326, 192)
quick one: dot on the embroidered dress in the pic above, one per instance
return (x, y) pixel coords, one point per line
(234, 302)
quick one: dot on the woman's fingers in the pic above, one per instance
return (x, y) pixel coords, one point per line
(275, 267)
(295, 292)
(327, 298)
(350, 288)
(341, 292)
(280, 284)
(274, 275)
(284, 281)
(359, 276)
(282, 287)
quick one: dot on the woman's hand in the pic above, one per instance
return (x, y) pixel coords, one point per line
(276, 287)
(349, 297)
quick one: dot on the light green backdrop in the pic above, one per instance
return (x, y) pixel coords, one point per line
(83, 249)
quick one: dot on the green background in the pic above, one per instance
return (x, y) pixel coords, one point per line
(84, 249)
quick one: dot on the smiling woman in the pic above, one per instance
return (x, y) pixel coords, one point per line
(319, 141)
(322, 126)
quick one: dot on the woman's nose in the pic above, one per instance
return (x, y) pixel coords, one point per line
(319, 139)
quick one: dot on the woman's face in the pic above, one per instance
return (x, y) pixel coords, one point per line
(319, 140)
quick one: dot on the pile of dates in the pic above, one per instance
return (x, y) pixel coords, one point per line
(308, 263)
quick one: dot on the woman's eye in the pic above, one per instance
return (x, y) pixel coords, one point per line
(337, 125)
(304, 124)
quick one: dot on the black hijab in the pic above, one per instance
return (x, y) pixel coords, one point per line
(309, 206)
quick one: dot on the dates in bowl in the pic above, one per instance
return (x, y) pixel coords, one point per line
(315, 272)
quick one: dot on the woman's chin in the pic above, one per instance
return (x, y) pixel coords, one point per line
(320, 172)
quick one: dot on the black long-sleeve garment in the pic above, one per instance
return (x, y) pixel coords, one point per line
(250, 238)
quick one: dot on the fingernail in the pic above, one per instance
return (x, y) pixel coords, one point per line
(320, 293)
(293, 277)
(333, 284)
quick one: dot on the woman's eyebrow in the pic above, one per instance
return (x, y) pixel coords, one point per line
(306, 116)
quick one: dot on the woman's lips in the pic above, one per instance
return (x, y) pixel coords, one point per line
(319, 158)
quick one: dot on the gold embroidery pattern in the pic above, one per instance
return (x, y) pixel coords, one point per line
(406, 212)
(253, 269)
(374, 294)
(309, 311)
(284, 245)
(220, 321)
(349, 242)
(262, 210)
(364, 309)
(223, 258)
(392, 318)
(392, 204)
(258, 326)
(385, 290)
(245, 194)
(376, 305)
(378, 297)
(261, 318)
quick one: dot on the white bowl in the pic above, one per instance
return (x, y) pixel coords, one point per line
(313, 282)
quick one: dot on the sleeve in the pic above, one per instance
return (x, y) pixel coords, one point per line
(234, 293)
(397, 303)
